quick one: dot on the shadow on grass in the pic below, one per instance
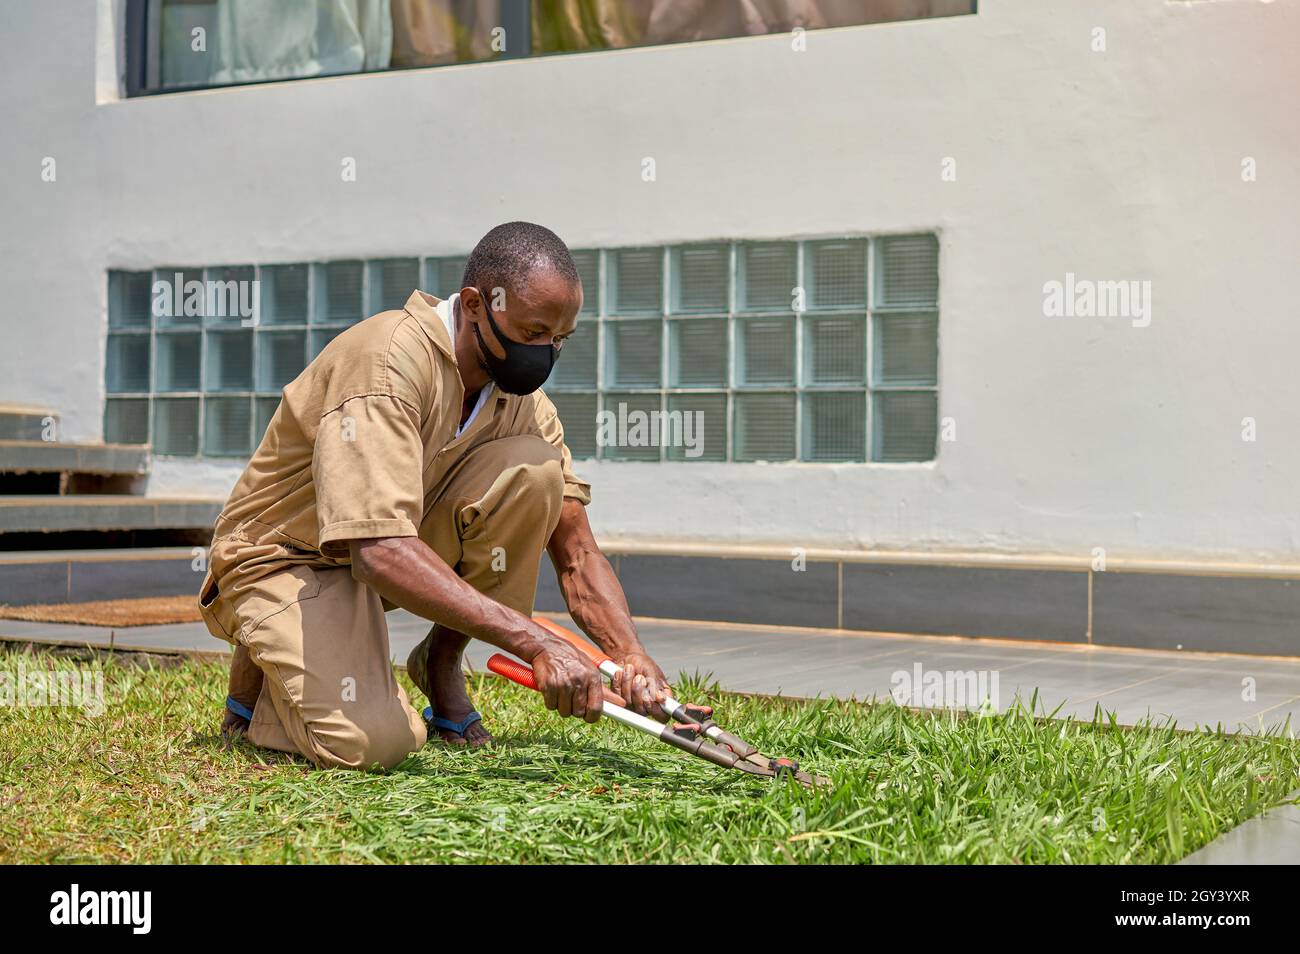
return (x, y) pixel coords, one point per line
(541, 757)
(214, 743)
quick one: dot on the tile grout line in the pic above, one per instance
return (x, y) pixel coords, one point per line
(1284, 702)
(801, 670)
(1132, 685)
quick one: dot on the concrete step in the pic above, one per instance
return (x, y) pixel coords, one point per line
(47, 513)
(25, 422)
(81, 576)
(21, 457)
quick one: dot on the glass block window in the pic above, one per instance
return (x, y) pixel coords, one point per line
(907, 270)
(128, 420)
(341, 291)
(284, 294)
(391, 282)
(176, 426)
(634, 353)
(768, 276)
(816, 350)
(196, 357)
(703, 279)
(765, 426)
(588, 264)
(230, 361)
(226, 423)
(442, 276)
(636, 284)
(283, 356)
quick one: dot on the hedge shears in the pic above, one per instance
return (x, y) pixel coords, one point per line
(694, 730)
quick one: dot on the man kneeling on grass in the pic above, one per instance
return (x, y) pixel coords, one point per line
(415, 463)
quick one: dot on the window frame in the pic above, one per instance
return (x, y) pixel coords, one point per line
(142, 30)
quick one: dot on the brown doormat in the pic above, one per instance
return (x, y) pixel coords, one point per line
(146, 611)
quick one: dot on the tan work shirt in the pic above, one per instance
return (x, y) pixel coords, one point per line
(360, 445)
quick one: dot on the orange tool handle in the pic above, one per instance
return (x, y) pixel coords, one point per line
(522, 674)
(514, 671)
(580, 644)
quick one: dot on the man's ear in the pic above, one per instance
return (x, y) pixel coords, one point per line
(471, 299)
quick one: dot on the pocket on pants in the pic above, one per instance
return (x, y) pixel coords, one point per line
(275, 593)
(216, 616)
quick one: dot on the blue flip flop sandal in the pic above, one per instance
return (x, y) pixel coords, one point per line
(441, 723)
(239, 709)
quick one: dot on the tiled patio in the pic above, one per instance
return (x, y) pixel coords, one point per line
(1241, 693)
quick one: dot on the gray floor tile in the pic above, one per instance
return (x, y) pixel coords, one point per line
(1272, 838)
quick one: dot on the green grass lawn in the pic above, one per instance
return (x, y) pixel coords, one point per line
(149, 780)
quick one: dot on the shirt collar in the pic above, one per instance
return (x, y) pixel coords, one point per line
(446, 310)
(422, 308)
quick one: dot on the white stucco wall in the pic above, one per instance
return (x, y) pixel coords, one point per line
(1071, 433)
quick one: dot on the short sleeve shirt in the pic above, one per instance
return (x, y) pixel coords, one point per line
(364, 437)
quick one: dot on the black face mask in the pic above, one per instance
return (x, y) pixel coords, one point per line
(524, 368)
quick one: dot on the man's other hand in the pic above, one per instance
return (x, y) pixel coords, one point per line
(642, 684)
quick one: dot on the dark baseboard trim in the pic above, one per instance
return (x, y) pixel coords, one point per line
(85, 578)
(1137, 608)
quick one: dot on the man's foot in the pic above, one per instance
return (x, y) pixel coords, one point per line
(233, 725)
(434, 666)
(244, 687)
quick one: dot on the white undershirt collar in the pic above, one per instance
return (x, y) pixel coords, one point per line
(446, 311)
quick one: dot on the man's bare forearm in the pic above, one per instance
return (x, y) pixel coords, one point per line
(405, 571)
(589, 585)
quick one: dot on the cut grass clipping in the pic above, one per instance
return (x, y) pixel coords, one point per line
(149, 780)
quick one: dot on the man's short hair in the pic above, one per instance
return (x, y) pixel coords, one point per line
(508, 256)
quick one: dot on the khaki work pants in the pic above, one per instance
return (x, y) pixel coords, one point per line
(320, 637)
